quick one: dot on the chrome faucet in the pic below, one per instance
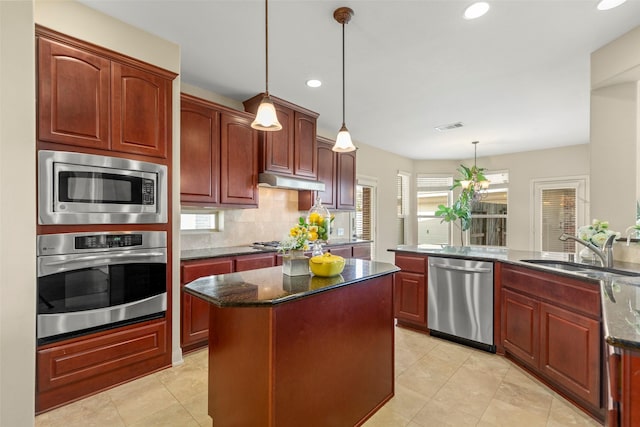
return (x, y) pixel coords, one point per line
(605, 254)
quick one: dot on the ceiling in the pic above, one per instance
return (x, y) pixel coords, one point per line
(517, 78)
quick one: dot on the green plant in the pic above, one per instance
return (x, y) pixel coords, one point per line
(460, 210)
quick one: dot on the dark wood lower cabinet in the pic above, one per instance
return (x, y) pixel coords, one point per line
(194, 312)
(76, 368)
(552, 326)
(410, 291)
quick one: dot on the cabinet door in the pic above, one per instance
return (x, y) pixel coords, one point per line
(520, 327)
(410, 295)
(346, 181)
(253, 262)
(277, 147)
(239, 161)
(199, 154)
(327, 173)
(73, 96)
(194, 311)
(570, 352)
(141, 108)
(305, 160)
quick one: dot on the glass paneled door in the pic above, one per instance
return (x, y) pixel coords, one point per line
(559, 208)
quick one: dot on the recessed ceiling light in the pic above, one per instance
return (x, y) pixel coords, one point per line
(609, 4)
(314, 83)
(449, 126)
(476, 10)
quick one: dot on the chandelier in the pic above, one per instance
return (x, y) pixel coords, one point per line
(475, 182)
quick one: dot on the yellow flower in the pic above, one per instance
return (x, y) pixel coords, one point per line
(313, 235)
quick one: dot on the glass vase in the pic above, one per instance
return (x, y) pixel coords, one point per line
(295, 263)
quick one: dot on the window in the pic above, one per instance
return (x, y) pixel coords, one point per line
(402, 206)
(201, 221)
(432, 191)
(489, 214)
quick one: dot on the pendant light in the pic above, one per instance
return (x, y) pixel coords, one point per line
(478, 183)
(266, 117)
(343, 140)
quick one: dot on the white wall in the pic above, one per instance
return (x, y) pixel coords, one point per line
(384, 166)
(17, 214)
(522, 168)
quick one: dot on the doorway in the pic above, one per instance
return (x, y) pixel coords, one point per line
(560, 206)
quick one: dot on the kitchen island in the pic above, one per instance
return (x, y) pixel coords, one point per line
(302, 350)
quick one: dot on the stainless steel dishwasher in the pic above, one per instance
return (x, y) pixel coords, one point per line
(460, 295)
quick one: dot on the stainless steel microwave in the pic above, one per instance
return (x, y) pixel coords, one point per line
(78, 188)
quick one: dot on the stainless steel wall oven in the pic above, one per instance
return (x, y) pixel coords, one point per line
(78, 188)
(98, 280)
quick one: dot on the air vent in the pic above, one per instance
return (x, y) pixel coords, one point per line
(450, 126)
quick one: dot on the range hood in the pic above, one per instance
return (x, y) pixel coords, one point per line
(289, 182)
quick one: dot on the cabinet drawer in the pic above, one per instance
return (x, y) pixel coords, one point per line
(63, 364)
(253, 262)
(193, 270)
(343, 251)
(558, 290)
(412, 263)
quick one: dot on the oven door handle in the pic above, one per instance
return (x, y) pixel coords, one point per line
(61, 264)
(101, 257)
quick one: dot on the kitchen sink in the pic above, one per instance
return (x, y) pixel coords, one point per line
(592, 271)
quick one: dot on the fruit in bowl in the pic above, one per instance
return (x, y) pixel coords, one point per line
(326, 265)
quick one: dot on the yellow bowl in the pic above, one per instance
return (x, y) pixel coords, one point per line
(326, 265)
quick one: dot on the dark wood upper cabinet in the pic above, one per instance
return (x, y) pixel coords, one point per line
(73, 95)
(218, 155)
(338, 172)
(292, 150)
(92, 97)
(346, 181)
(239, 158)
(199, 153)
(141, 111)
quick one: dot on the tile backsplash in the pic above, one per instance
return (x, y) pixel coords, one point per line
(277, 213)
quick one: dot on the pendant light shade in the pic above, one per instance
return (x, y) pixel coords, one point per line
(343, 140)
(266, 117)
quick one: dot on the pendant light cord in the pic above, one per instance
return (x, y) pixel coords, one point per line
(266, 45)
(343, 84)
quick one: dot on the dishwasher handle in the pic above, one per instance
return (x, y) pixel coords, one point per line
(465, 269)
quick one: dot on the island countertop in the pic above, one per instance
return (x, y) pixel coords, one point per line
(269, 286)
(620, 293)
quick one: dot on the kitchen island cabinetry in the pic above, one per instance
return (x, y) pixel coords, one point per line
(95, 98)
(285, 350)
(218, 155)
(551, 324)
(410, 291)
(292, 150)
(338, 173)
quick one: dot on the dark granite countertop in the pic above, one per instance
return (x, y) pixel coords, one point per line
(620, 289)
(191, 254)
(269, 286)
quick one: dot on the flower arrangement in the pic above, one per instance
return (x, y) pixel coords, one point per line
(304, 233)
(597, 232)
(298, 238)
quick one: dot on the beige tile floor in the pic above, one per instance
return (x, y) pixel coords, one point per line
(438, 383)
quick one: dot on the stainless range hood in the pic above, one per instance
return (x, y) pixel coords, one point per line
(289, 182)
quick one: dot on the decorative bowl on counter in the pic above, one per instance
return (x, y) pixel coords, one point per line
(326, 265)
